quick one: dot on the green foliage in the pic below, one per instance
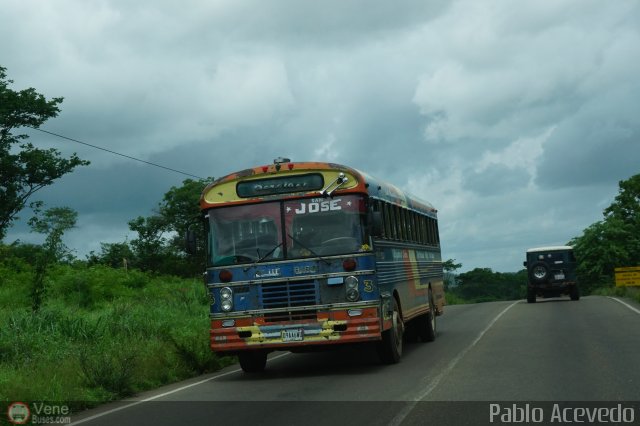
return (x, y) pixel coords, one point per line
(484, 285)
(612, 242)
(54, 222)
(100, 334)
(180, 207)
(194, 352)
(159, 244)
(110, 366)
(115, 255)
(450, 266)
(451, 298)
(150, 247)
(27, 169)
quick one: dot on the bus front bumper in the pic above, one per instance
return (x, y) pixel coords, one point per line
(329, 328)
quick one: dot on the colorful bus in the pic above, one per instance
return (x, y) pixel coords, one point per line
(304, 256)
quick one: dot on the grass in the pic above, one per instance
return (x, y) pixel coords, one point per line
(101, 335)
(632, 293)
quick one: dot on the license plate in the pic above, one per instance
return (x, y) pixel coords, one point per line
(559, 276)
(293, 335)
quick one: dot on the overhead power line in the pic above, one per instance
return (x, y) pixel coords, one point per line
(114, 152)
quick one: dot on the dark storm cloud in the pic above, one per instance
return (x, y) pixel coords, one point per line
(497, 179)
(594, 146)
(119, 193)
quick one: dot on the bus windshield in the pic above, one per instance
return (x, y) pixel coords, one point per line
(299, 228)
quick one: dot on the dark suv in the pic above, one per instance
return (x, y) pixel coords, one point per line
(552, 272)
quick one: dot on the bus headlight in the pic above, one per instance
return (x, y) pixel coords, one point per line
(351, 284)
(226, 299)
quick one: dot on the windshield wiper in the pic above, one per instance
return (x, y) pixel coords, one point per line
(269, 253)
(263, 257)
(310, 251)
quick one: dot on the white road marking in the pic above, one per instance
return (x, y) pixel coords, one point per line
(399, 418)
(625, 304)
(151, 398)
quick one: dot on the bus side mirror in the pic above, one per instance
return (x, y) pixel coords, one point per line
(524, 263)
(375, 223)
(190, 242)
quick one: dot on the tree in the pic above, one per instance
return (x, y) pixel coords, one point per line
(150, 246)
(449, 267)
(626, 205)
(160, 246)
(53, 222)
(181, 209)
(613, 241)
(27, 169)
(482, 285)
(114, 255)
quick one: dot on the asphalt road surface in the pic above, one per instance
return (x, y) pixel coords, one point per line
(557, 361)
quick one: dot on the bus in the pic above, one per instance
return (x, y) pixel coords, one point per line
(309, 255)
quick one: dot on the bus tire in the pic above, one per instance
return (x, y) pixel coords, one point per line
(531, 295)
(390, 348)
(427, 323)
(253, 361)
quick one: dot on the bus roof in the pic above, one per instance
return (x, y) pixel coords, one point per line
(549, 248)
(223, 191)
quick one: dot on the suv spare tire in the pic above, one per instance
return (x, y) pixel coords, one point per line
(539, 272)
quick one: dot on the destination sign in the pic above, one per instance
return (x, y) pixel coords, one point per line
(280, 185)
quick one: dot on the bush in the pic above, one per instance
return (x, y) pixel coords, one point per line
(100, 334)
(111, 366)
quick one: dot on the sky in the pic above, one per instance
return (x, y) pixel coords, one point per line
(516, 120)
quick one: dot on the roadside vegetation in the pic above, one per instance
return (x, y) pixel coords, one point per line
(484, 285)
(100, 333)
(632, 293)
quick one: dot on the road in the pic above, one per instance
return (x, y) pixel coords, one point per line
(508, 354)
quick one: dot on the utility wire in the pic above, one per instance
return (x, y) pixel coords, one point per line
(113, 152)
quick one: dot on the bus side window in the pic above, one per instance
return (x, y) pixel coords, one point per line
(393, 220)
(414, 227)
(407, 216)
(423, 230)
(385, 220)
(430, 231)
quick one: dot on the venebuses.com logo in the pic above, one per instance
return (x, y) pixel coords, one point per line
(19, 413)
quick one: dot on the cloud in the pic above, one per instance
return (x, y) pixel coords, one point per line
(246, 91)
(515, 121)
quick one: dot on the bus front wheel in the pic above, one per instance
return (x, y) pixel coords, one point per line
(253, 361)
(390, 348)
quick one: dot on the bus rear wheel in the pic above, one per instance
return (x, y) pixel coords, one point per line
(390, 348)
(427, 323)
(253, 361)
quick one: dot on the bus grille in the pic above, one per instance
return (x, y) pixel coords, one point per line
(289, 295)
